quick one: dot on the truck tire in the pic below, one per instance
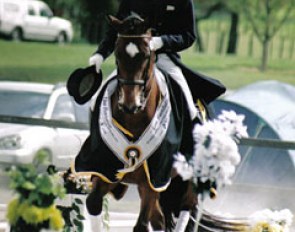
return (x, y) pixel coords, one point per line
(17, 35)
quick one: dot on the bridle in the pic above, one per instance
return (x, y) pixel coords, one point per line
(141, 82)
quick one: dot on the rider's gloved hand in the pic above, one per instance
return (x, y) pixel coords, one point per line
(156, 43)
(96, 60)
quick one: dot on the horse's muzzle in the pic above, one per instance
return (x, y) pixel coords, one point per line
(130, 109)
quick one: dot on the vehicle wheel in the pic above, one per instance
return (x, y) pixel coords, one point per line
(61, 38)
(16, 35)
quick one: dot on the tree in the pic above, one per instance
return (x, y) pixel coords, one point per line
(266, 18)
(93, 20)
(87, 15)
(234, 9)
(65, 8)
(205, 10)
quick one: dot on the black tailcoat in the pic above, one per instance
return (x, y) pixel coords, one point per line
(174, 22)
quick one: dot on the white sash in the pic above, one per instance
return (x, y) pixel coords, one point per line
(149, 141)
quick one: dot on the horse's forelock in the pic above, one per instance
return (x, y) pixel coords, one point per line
(133, 25)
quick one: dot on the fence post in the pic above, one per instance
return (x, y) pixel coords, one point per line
(282, 46)
(291, 49)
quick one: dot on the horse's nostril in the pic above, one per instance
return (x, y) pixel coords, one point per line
(130, 109)
(120, 106)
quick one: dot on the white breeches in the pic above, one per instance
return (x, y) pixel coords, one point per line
(165, 63)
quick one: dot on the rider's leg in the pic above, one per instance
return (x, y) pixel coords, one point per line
(165, 63)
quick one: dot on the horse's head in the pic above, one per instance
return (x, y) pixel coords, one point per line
(134, 62)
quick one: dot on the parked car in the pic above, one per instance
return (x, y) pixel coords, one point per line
(20, 142)
(33, 20)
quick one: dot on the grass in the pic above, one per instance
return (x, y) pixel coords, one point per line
(235, 71)
(50, 63)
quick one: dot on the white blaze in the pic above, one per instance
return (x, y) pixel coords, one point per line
(132, 49)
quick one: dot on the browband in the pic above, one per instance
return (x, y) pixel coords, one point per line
(134, 36)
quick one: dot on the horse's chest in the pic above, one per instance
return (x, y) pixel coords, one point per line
(135, 177)
(133, 128)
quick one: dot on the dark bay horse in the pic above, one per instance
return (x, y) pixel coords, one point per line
(135, 119)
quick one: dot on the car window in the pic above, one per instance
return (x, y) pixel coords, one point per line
(25, 104)
(31, 11)
(45, 12)
(63, 109)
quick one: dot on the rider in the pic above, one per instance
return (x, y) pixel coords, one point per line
(172, 22)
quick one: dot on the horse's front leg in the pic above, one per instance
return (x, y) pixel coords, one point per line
(150, 210)
(95, 199)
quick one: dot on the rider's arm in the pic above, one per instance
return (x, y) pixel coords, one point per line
(183, 35)
(106, 47)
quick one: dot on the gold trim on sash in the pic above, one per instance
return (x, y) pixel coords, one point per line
(160, 189)
(121, 128)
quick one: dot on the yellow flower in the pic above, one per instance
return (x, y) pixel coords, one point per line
(46, 212)
(12, 211)
(32, 214)
(56, 221)
(266, 227)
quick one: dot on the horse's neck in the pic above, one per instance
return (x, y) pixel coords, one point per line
(137, 123)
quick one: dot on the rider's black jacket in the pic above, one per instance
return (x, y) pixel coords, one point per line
(173, 20)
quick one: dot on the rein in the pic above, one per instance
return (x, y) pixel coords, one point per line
(141, 82)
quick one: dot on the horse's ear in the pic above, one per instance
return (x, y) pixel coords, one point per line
(114, 22)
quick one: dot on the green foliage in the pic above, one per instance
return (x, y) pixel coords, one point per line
(72, 216)
(34, 207)
(264, 18)
(267, 17)
(40, 189)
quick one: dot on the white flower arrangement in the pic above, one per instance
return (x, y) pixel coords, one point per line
(271, 221)
(214, 161)
(216, 152)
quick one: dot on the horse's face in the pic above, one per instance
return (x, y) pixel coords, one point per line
(135, 64)
(134, 69)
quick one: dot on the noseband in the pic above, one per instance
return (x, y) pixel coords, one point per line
(142, 82)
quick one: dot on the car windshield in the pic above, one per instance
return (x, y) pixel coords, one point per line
(25, 104)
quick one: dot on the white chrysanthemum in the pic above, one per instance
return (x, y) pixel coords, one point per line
(216, 151)
(233, 123)
(277, 220)
(182, 167)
